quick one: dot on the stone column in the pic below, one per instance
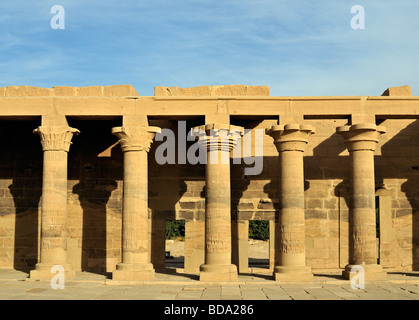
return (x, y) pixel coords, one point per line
(55, 142)
(135, 143)
(218, 141)
(361, 141)
(290, 141)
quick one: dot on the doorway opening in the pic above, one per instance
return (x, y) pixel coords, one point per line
(258, 245)
(175, 245)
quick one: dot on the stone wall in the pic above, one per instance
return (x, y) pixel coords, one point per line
(97, 91)
(230, 90)
(95, 180)
(94, 197)
(20, 193)
(397, 170)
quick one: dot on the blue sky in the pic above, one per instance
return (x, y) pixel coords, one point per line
(298, 48)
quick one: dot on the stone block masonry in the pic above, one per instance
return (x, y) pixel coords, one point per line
(86, 192)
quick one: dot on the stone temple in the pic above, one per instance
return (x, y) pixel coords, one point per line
(80, 185)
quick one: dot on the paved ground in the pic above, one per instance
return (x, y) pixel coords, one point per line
(15, 285)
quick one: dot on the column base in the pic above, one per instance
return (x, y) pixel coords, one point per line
(129, 271)
(43, 272)
(371, 272)
(218, 272)
(282, 273)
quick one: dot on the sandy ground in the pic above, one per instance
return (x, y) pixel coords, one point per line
(258, 249)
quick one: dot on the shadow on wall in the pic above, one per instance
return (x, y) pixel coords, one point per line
(97, 163)
(244, 211)
(239, 184)
(26, 194)
(330, 175)
(167, 185)
(320, 168)
(400, 161)
(397, 166)
(346, 245)
(21, 164)
(163, 198)
(93, 197)
(411, 190)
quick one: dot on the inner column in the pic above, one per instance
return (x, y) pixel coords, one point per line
(218, 141)
(361, 141)
(135, 143)
(55, 142)
(290, 141)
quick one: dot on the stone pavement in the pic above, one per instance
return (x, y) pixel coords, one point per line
(14, 285)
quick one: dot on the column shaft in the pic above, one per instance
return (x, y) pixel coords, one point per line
(54, 208)
(135, 143)
(361, 141)
(290, 141)
(219, 141)
(53, 249)
(363, 210)
(218, 214)
(135, 203)
(291, 218)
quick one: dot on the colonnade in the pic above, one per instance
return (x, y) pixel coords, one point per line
(218, 140)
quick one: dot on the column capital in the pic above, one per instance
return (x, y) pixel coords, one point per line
(135, 138)
(290, 137)
(363, 136)
(56, 138)
(216, 136)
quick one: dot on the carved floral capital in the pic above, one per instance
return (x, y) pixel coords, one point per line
(56, 138)
(135, 138)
